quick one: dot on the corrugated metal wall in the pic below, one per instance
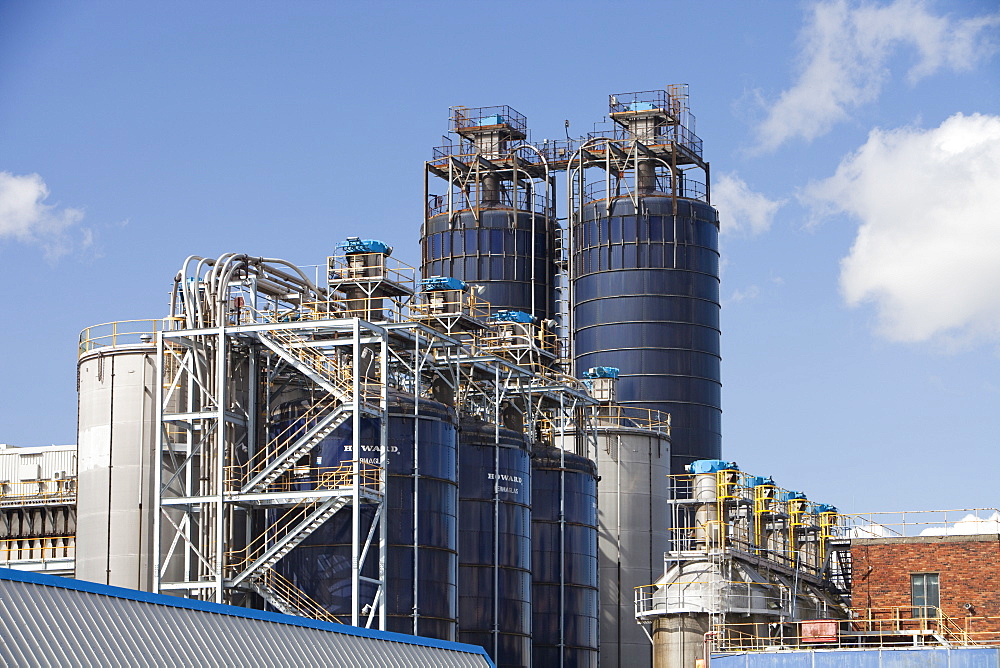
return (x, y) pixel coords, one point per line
(40, 463)
(964, 657)
(49, 621)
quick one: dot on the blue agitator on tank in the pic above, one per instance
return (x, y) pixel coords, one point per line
(495, 541)
(422, 512)
(565, 601)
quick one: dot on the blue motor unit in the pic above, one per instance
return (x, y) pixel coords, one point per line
(355, 245)
(510, 315)
(436, 283)
(711, 466)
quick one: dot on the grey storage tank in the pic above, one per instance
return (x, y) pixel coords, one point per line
(116, 437)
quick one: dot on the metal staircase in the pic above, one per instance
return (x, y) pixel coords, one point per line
(317, 367)
(310, 429)
(289, 535)
(286, 598)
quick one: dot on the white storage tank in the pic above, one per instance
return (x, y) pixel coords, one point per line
(116, 432)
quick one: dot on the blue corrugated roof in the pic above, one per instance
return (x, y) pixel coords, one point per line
(234, 611)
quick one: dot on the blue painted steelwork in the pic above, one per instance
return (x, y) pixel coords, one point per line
(434, 283)
(355, 245)
(821, 508)
(230, 610)
(494, 551)
(956, 657)
(498, 252)
(422, 602)
(646, 300)
(565, 603)
(791, 495)
(757, 481)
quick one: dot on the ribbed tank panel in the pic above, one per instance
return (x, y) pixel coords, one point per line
(505, 251)
(646, 300)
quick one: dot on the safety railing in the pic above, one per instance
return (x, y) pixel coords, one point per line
(50, 548)
(501, 116)
(646, 100)
(633, 417)
(339, 375)
(665, 186)
(38, 492)
(554, 153)
(327, 480)
(298, 427)
(298, 599)
(368, 268)
(430, 306)
(913, 523)
(122, 332)
(508, 337)
(525, 202)
(323, 478)
(866, 628)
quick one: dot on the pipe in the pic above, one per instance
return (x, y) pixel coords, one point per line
(706, 654)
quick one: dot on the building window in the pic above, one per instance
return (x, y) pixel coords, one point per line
(924, 594)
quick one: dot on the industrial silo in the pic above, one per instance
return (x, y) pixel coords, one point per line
(633, 530)
(116, 437)
(495, 225)
(421, 511)
(633, 461)
(495, 541)
(565, 603)
(645, 267)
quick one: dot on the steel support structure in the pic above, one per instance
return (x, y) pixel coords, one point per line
(235, 494)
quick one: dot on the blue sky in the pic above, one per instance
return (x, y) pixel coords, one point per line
(855, 152)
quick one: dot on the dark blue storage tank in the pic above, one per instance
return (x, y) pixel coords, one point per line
(498, 252)
(564, 559)
(494, 549)
(646, 300)
(422, 492)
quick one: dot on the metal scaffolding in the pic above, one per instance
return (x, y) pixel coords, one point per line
(235, 493)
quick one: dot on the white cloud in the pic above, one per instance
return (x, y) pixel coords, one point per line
(845, 51)
(739, 295)
(741, 209)
(927, 252)
(25, 217)
(970, 525)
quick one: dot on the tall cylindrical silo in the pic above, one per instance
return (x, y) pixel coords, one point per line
(116, 436)
(422, 512)
(564, 584)
(495, 542)
(646, 300)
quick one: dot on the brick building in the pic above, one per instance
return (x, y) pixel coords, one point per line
(924, 576)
